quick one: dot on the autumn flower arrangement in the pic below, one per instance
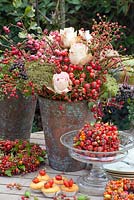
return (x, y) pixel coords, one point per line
(64, 65)
(76, 65)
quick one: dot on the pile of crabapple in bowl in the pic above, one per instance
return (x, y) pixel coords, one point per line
(97, 140)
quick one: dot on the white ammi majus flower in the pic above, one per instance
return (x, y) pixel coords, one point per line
(61, 82)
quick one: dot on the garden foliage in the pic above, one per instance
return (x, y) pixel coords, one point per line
(55, 14)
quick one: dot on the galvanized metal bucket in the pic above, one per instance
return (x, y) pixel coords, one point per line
(59, 117)
(16, 117)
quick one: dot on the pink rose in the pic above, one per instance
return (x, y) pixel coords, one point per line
(62, 82)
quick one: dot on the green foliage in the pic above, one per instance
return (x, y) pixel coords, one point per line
(41, 159)
(119, 10)
(34, 127)
(22, 167)
(130, 108)
(27, 194)
(17, 3)
(83, 197)
(8, 172)
(49, 14)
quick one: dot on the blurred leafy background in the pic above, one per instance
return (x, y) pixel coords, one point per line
(52, 14)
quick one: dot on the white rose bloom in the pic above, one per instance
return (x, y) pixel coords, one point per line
(68, 36)
(85, 35)
(61, 82)
(78, 54)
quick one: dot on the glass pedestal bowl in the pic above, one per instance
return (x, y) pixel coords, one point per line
(94, 182)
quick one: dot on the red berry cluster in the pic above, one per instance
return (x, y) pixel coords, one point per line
(122, 189)
(100, 137)
(104, 33)
(11, 78)
(19, 157)
(86, 80)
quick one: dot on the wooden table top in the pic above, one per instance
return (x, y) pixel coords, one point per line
(15, 194)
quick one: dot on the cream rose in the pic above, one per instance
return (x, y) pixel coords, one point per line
(85, 35)
(78, 54)
(61, 82)
(68, 36)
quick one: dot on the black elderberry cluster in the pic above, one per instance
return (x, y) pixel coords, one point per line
(20, 66)
(119, 115)
(125, 92)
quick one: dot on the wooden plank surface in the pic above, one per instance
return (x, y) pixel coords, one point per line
(15, 194)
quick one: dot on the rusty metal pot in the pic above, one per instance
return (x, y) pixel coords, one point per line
(59, 117)
(16, 117)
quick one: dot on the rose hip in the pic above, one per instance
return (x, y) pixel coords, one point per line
(100, 137)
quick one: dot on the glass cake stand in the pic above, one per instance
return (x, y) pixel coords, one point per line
(94, 182)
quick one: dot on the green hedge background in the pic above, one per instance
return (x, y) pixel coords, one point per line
(52, 14)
